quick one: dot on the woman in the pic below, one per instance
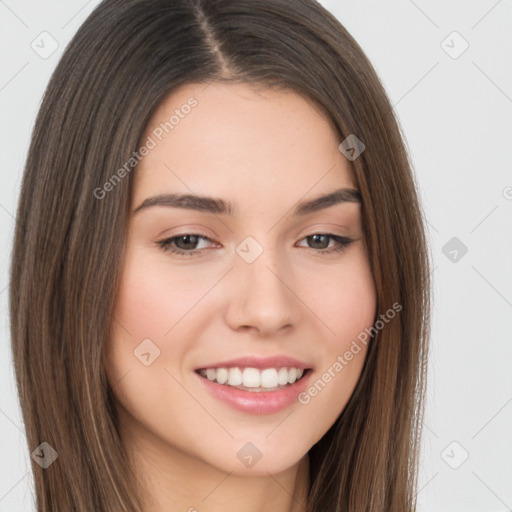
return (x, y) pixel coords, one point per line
(219, 290)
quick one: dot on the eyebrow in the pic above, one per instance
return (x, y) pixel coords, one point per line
(221, 207)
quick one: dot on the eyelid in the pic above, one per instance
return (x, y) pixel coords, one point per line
(186, 229)
(317, 228)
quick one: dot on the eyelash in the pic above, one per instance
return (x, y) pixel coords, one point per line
(342, 243)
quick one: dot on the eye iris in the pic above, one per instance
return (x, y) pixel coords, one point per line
(316, 238)
(187, 238)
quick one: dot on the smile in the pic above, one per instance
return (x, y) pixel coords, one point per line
(253, 379)
(256, 391)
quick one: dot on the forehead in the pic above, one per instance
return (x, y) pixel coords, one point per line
(235, 140)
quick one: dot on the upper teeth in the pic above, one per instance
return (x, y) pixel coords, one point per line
(253, 377)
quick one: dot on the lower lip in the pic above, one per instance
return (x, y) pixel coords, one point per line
(257, 402)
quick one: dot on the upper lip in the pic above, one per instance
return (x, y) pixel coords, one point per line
(278, 361)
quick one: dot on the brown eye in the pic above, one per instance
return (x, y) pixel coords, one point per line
(183, 244)
(186, 242)
(321, 241)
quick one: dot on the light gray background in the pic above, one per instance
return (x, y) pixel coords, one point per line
(456, 112)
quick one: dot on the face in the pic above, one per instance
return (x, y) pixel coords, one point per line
(233, 311)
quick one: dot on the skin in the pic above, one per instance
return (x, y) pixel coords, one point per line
(214, 306)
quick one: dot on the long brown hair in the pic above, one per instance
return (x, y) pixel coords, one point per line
(125, 58)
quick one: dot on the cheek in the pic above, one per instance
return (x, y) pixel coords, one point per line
(153, 297)
(150, 304)
(344, 299)
(346, 302)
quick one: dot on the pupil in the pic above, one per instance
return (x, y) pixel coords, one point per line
(315, 240)
(187, 238)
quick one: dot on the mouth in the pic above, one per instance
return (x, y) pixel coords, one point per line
(256, 385)
(256, 380)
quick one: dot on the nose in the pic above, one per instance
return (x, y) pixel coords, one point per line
(262, 297)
